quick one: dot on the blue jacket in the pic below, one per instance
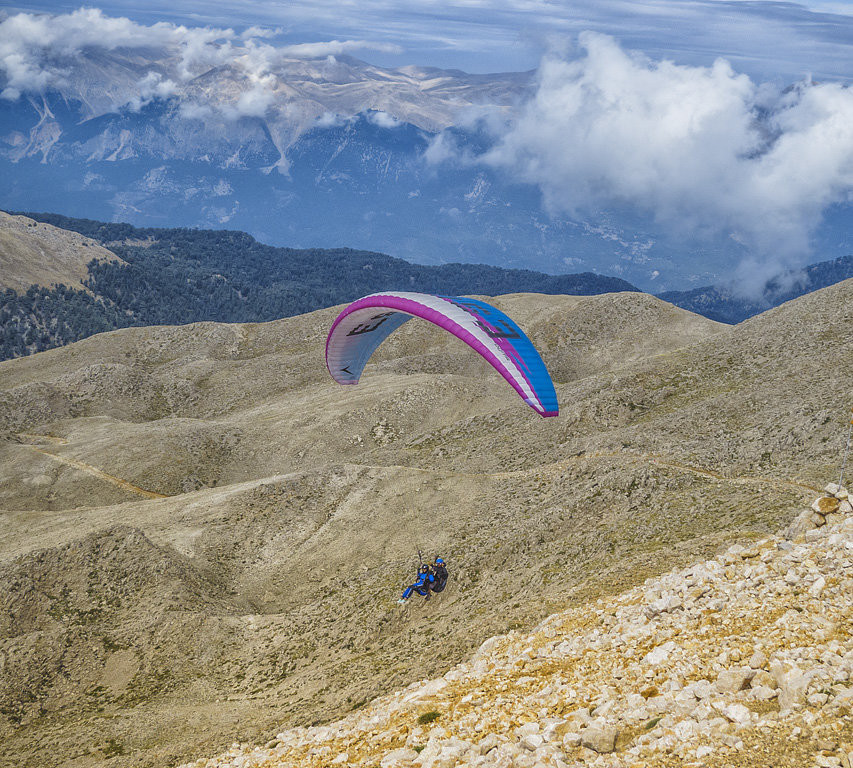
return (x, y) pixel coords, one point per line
(424, 579)
(421, 585)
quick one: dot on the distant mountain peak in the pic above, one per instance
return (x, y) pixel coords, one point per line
(287, 92)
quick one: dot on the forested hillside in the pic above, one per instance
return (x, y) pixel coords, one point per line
(43, 318)
(174, 276)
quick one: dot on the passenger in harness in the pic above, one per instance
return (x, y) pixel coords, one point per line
(422, 584)
(439, 572)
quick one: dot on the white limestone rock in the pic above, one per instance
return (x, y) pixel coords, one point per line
(488, 743)
(665, 604)
(734, 679)
(554, 729)
(600, 739)
(398, 758)
(532, 742)
(571, 739)
(659, 655)
(792, 684)
(805, 521)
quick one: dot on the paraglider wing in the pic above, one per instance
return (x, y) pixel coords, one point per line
(367, 322)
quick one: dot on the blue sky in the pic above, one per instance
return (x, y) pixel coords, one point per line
(777, 42)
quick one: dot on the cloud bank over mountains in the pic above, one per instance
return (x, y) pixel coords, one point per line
(39, 51)
(36, 51)
(704, 150)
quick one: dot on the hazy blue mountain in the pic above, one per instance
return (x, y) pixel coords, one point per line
(355, 183)
(723, 304)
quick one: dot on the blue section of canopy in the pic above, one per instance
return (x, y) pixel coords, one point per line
(502, 327)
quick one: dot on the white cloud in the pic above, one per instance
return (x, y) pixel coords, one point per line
(445, 148)
(201, 48)
(330, 120)
(383, 119)
(337, 48)
(192, 110)
(258, 32)
(151, 87)
(37, 50)
(155, 86)
(252, 103)
(703, 149)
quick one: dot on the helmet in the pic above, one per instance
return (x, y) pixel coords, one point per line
(439, 561)
(424, 569)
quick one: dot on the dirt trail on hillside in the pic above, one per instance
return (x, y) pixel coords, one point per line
(737, 478)
(30, 439)
(652, 459)
(87, 468)
(661, 461)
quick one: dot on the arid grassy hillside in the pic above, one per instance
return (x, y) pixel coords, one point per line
(33, 253)
(204, 536)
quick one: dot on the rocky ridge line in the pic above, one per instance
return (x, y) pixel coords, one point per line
(743, 660)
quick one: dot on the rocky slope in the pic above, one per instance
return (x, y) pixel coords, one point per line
(742, 660)
(32, 253)
(204, 537)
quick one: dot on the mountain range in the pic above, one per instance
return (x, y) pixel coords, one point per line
(205, 537)
(326, 153)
